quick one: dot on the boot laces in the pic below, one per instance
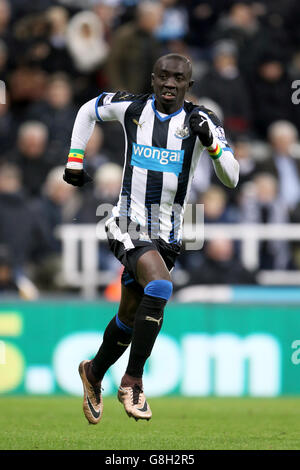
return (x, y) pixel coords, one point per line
(136, 390)
(97, 392)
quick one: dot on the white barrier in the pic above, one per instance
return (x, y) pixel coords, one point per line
(82, 242)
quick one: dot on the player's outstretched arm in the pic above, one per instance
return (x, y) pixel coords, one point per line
(225, 165)
(83, 128)
(227, 169)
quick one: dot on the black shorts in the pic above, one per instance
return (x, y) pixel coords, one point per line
(127, 248)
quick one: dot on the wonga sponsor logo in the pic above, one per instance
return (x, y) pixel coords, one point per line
(157, 159)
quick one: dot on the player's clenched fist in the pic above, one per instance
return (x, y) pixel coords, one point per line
(199, 126)
(76, 177)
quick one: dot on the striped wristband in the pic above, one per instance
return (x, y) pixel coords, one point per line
(215, 152)
(76, 155)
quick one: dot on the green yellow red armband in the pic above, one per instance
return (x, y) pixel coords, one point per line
(76, 155)
(215, 151)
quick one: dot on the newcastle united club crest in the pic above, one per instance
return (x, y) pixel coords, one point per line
(182, 133)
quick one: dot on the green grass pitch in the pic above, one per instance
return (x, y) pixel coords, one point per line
(177, 423)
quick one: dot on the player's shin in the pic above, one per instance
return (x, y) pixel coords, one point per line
(148, 322)
(116, 339)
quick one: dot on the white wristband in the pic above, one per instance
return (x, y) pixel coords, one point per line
(74, 166)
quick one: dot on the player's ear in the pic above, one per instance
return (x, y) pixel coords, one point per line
(191, 83)
(152, 78)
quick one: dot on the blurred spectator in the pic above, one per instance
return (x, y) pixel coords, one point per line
(58, 58)
(85, 41)
(281, 163)
(220, 265)
(31, 40)
(77, 3)
(174, 23)
(291, 25)
(294, 74)
(5, 14)
(14, 282)
(203, 15)
(7, 128)
(108, 182)
(242, 152)
(295, 245)
(241, 26)
(281, 19)
(21, 8)
(173, 31)
(3, 60)
(58, 19)
(271, 93)
(294, 66)
(57, 205)
(135, 49)
(224, 84)
(20, 230)
(5, 17)
(7, 281)
(216, 208)
(30, 155)
(106, 189)
(26, 85)
(58, 113)
(261, 204)
(108, 11)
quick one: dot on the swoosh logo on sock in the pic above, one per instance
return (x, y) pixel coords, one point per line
(95, 413)
(145, 407)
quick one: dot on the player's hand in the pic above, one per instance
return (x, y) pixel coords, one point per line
(199, 126)
(76, 177)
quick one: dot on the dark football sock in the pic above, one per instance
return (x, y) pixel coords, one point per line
(116, 339)
(148, 322)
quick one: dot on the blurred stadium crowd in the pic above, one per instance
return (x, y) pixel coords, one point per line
(55, 55)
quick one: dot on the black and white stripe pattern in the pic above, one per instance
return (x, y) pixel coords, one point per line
(160, 161)
(154, 199)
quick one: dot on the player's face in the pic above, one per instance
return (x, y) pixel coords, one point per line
(170, 81)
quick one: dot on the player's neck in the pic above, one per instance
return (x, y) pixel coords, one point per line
(167, 109)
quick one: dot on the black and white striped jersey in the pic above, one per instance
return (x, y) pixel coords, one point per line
(161, 156)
